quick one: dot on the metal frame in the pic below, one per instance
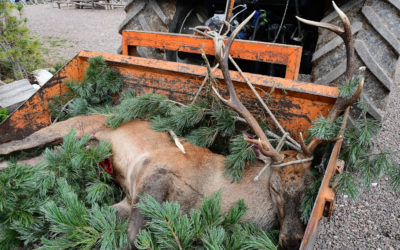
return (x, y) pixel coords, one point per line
(288, 55)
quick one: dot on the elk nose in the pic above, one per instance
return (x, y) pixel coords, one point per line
(290, 243)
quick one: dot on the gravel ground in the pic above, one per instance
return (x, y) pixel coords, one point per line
(373, 220)
(66, 31)
(370, 222)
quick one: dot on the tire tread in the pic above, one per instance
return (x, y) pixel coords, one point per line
(377, 46)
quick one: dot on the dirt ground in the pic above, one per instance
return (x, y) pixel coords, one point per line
(370, 222)
(66, 31)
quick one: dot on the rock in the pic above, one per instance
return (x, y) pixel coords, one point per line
(42, 76)
(374, 184)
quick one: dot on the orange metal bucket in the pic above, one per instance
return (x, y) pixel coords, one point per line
(294, 103)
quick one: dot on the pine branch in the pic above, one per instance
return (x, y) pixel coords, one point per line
(395, 176)
(308, 201)
(347, 184)
(41, 211)
(348, 89)
(208, 227)
(324, 129)
(203, 136)
(240, 153)
(97, 88)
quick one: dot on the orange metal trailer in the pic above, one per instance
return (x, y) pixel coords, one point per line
(295, 103)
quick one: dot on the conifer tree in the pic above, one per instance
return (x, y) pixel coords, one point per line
(20, 53)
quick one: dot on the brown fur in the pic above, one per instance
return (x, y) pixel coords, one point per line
(148, 162)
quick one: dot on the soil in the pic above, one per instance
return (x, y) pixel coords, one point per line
(66, 31)
(370, 222)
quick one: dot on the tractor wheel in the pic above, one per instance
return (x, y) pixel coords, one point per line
(187, 17)
(149, 15)
(376, 29)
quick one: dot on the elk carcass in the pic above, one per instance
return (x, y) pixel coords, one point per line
(148, 162)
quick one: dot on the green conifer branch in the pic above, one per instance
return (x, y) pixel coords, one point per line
(35, 209)
(240, 154)
(208, 227)
(98, 87)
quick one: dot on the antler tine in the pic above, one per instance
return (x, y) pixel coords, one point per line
(341, 103)
(235, 32)
(328, 26)
(222, 56)
(345, 34)
(347, 37)
(303, 145)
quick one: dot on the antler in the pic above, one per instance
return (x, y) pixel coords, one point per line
(345, 34)
(341, 103)
(222, 57)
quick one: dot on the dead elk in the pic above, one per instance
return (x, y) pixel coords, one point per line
(147, 162)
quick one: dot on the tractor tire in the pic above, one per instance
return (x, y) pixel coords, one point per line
(376, 31)
(148, 15)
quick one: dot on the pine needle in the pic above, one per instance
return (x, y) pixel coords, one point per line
(395, 176)
(98, 87)
(67, 213)
(240, 153)
(203, 136)
(206, 228)
(348, 89)
(324, 129)
(347, 184)
(308, 201)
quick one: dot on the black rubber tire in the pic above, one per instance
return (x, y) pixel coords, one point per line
(176, 26)
(149, 15)
(376, 29)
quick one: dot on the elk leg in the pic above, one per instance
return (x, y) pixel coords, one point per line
(156, 185)
(55, 133)
(123, 208)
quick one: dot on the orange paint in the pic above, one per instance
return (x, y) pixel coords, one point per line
(288, 55)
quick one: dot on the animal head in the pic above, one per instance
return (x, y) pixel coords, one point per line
(288, 187)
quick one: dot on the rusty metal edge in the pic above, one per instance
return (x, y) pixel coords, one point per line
(288, 55)
(53, 78)
(201, 71)
(325, 193)
(286, 85)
